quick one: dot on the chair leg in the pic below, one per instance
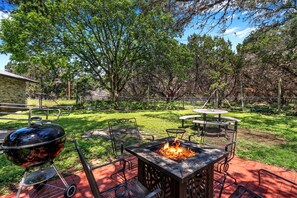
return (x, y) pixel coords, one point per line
(122, 169)
(232, 177)
(129, 164)
(202, 139)
(221, 182)
(222, 188)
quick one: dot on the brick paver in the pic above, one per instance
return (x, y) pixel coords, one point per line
(245, 171)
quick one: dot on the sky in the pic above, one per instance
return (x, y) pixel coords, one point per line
(236, 33)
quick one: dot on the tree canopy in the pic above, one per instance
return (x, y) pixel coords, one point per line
(129, 47)
(108, 39)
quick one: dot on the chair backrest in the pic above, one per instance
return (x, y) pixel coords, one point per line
(242, 191)
(223, 165)
(88, 171)
(230, 148)
(123, 132)
(176, 132)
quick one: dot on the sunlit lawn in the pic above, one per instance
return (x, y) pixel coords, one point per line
(268, 139)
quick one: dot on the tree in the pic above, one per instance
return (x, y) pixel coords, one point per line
(215, 65)
(268, 57)
(109, 39)
(164, 74)
(168, 70)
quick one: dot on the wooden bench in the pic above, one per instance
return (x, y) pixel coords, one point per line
(186, 117)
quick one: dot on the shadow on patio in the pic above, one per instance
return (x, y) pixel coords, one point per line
(245, 171)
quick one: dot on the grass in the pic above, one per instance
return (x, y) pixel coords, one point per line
(51, 102)
(270, 139)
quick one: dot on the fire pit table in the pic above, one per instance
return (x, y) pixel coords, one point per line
(190, 176)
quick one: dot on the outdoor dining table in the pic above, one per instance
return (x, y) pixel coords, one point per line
(191, 177)
(210, 111)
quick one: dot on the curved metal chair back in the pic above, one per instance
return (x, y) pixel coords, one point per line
(242, 191)
(123, 132)
(176, 132)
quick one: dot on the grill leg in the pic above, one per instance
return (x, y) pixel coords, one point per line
(59, 174)
(21, 184)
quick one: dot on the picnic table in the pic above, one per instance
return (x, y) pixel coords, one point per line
(213, 112)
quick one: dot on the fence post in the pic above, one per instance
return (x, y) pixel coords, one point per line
(68, 90)
(241, 94)
(279, 93)
(40, 100)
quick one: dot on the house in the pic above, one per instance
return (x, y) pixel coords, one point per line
(13, 88)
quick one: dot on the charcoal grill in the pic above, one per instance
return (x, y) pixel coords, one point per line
(34, 146)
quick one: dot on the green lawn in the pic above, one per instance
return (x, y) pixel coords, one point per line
(268, 139)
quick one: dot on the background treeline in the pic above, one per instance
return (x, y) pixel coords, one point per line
(131, 51)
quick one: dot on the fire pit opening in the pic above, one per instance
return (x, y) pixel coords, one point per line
(175, 150)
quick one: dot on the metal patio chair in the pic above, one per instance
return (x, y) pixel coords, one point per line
(131, 188)
(125, 132)
(221, 168)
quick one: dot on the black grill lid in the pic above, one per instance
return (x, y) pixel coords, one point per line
(36, 134)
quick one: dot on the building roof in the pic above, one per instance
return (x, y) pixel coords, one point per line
(11, 75)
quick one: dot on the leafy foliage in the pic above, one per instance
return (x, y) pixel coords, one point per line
(107, 39)
(214, 65)
(270, 55)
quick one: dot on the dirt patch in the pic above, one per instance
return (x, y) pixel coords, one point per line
(259, 136)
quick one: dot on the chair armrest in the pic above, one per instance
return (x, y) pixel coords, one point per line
(109, 163)
(115, 188)
(149, 136)
(154, 193)
(273, 174)
(197, 134)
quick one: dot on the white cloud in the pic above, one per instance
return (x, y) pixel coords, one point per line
(245, 32)
(3, 15)
(230, 30)
(231, 17)
(244, 13)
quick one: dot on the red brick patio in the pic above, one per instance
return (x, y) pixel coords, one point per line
(245, 171)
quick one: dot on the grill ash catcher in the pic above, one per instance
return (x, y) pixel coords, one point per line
(33, 146)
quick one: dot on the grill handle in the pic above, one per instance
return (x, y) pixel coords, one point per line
(38, 119)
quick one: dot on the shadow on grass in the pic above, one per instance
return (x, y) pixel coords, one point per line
(169, 116)
(112, 111)
(284, 126)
